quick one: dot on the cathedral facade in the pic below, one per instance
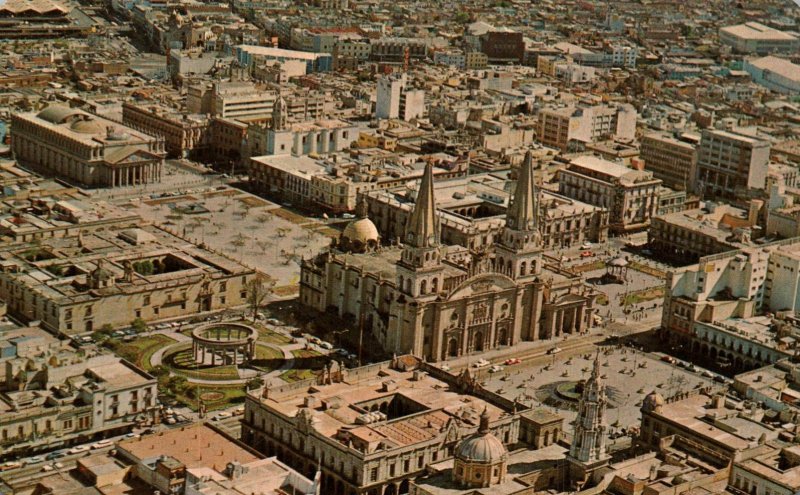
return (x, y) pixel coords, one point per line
(438, 301)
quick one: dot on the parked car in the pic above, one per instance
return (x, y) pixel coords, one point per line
(586, 245)
(10, 465)
(586, 254)
(34, 460)
(78, 449)
(55, 455)
(669, 359)
(481, 363)
(102, 444)
(326, 345)
(445, 367)
(496, 368)
(554, 350)
(222, 415)
(512, 361)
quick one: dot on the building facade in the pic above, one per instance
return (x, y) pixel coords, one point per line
(670, 159)
(441, 302)
(730, 164)
(630, 196)
(86, 149)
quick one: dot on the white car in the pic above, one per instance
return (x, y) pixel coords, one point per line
(102, 444)
(326, 345)
(445, 367)
(480, 363)
(495, 369)
(554, 350)
(47, 467)
(78, 449)
(35, 460)
(586, 245)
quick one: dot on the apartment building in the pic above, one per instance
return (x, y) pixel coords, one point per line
(671, 159)
(559, 127)
(729, 164)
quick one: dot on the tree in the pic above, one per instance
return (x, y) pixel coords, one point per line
(258, 288)
(159, 371)
(139, 325)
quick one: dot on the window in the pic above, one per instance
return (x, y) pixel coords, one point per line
(147, 299)
(406, 465)
(373, 474)
(420, 462)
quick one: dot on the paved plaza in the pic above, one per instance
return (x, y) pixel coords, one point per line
(247, 228)
(629, 374)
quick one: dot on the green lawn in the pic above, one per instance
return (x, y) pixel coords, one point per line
(182, 362)
(307, 363)
(271, 337)
(643, 296)
(232, 394)
(141, 350)
(649, 270)
(589, 267)
(267, 358)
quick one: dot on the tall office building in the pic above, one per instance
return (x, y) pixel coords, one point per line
(730, 163)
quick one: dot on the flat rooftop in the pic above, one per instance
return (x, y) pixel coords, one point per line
(757, 31)
(195, 446)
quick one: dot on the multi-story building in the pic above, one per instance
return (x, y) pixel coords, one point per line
(630, 196)
(348, 53)
(754, 37)
(374, 429)
(85, 148)
(703, 299)
(248, 102)
(63, 398)
(396, 100)
(730, 164)
(503, 46)
(183, 134)
(442, 302)
(248, 55)
(560, 127)
(131, 272)
(397, 50)
(472, 211)
(464, 60)
(314, 137)
(332, 183)
(670, 159)
(714, 228)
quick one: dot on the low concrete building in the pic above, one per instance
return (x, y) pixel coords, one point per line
(130, 273)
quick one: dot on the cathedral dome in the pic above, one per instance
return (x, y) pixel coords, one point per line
(484, 448)
(361, 230)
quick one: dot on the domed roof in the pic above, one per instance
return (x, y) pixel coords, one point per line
(56, 114)
(361, 230)
(87, 126)
(483, 446)
(652, 401)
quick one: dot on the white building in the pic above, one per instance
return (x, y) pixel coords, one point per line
(775, 73)
(396, 101)
(753, 37)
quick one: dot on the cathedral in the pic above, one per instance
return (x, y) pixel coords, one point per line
(438, 301)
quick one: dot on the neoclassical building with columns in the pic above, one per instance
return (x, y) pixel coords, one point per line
(85, 149)
(437, 301)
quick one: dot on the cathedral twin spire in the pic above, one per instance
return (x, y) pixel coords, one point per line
(523, 209)
(422, 228)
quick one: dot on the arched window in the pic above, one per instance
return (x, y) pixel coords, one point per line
(435, 285)
(423, 287)
(522, 268)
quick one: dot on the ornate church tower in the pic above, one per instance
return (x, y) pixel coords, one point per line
(588, 450)
(420, 270)
(518, 254)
